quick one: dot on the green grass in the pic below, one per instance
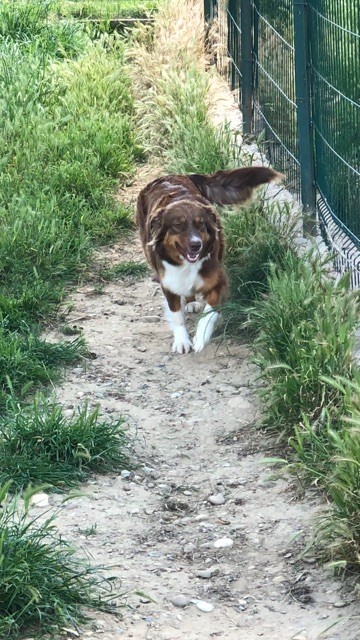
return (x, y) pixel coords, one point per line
(66, 142)
(38, 444)
(134, 270)
(305, 326)
(257, 236)
(27, 362)
(44, 585)
(104, 9)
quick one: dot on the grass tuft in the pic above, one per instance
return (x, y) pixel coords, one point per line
(38, 444)
(44, 585)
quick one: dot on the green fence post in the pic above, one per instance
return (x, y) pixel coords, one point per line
(304, 115)
(207, 10)
(247, 64)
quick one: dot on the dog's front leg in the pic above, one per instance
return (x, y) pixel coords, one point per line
(175, 316)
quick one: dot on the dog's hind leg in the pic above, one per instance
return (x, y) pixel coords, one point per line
(205, 328)
(175, 317)
(207, 322)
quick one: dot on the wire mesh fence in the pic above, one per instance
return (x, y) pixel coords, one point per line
(304, 89)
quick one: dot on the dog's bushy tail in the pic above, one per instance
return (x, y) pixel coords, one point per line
(233, 186)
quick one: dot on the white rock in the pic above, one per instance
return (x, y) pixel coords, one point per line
(223, 543)
(39, 500)
(202, 605)
(216, 499)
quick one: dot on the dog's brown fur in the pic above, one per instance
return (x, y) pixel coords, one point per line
(174, 210)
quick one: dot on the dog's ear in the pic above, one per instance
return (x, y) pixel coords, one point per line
(155, 227)
(233, 186)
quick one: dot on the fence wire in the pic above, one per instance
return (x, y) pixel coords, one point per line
(333, 68)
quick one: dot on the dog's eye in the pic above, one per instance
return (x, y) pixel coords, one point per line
(202, 225)
(178, 226)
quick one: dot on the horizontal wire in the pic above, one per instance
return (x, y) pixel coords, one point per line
(338, 26)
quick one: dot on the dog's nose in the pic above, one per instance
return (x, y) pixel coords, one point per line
(195, 245)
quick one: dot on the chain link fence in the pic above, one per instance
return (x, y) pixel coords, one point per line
(294, 66)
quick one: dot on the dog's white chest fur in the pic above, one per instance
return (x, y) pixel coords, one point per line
(184, 280)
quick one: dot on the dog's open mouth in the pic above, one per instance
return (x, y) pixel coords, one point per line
(192, 256)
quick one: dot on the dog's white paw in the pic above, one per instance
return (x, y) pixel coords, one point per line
(193, 307)
(182, 342)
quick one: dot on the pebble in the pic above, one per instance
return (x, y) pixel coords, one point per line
(340, 604)
(125, 473)
(151, 318)
(202, 605)
(217, 499)
(207, 573)
(223, 543)
(180, 601)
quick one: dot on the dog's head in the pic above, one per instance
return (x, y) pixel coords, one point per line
(184, 231)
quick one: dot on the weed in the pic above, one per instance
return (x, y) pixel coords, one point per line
(43, 584)
(38, 444)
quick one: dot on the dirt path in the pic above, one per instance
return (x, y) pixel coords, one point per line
(191, 419)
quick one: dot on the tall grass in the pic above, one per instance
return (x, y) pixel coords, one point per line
(258, 235)
(305, 333)
(44, 585)
(174, 94)
(66, 140)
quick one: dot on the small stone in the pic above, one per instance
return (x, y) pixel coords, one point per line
(142, 349)
(189, 547)
(125, 473)
(126, 487)
(223, 543)
(217, 499)
(151, 318)
(202, 517)
(207, 573)
(98, 625)
(180, 601)
(202, 605)
(340, 604)
(39, 500)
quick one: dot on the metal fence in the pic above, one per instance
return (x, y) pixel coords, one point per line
(295, 67)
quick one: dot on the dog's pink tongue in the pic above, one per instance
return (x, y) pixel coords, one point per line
(192, 257)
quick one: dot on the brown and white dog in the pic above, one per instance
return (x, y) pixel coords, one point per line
(183, 241)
